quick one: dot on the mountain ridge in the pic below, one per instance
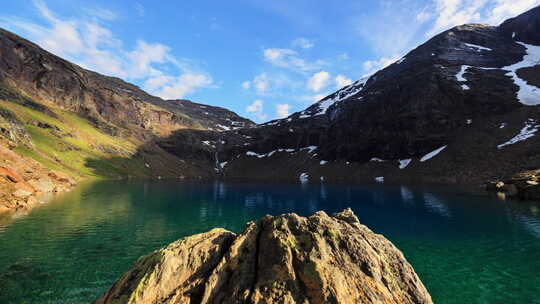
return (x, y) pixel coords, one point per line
(42, 75)
(464, 82)
(87, 125)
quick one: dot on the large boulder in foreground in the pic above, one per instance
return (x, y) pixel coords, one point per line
(282, 259)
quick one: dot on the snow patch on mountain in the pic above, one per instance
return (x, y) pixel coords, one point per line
(222, 127)
(432, 154)
(403, 163)
(310, 149)
(528, 131)
(478, 48)
(459, 75)
(323, 105)
(527, 94)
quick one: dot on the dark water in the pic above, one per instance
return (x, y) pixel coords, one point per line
(466, 248)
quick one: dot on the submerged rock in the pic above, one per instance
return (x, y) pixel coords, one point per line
(282, 259)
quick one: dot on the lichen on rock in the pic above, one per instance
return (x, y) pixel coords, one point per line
(279, 259)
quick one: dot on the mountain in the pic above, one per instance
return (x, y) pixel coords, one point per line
(62, 119)
(209, 117)
(460, 108)
(111, 103)
(442, 113)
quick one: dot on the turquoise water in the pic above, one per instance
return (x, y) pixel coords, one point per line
(466, 248)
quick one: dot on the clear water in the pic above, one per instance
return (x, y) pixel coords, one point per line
(466, 248)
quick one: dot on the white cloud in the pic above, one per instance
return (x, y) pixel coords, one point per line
(256, 108)
(423, 16)
(168, 87)
(87, 42)
(399, 26)
(272, 84)
(318, 81)
(454, 12)
(287, 58)
(342, 81)
(372, 66)
(303, 43)
(282, 110)
(146, 54)
(274, 55)
(504, 9)
(261, 83)
(391, 28)
(449, 13)
(246, 85)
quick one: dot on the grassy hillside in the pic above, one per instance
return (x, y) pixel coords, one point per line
(66, 142)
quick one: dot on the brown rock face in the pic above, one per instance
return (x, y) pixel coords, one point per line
(113, 105)
(22, 180)
(283, 259)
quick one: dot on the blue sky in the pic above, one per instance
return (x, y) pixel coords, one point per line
(263, 59)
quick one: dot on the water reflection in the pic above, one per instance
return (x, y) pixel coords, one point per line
(531, 223)
(436, 205)
(406, 195)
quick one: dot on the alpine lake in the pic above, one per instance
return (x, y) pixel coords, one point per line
(467, 247)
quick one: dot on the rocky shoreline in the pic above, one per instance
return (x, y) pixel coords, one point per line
(279, 259)
(24, 183)
(524, 186)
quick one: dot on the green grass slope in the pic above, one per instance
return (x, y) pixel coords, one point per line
(66, 142)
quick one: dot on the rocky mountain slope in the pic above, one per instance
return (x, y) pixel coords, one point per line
(111, 103)
(319, 259)
(460, 108)
(78, 122)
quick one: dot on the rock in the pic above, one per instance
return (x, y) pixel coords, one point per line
(282, 259)
(176, 272)
(4, 209)
(24, 186)
(491, 186)
(62, 177)
(510, 189)
(42, 185)
(10, 175)
(529, 192)
(32, 201)
(22, 193)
